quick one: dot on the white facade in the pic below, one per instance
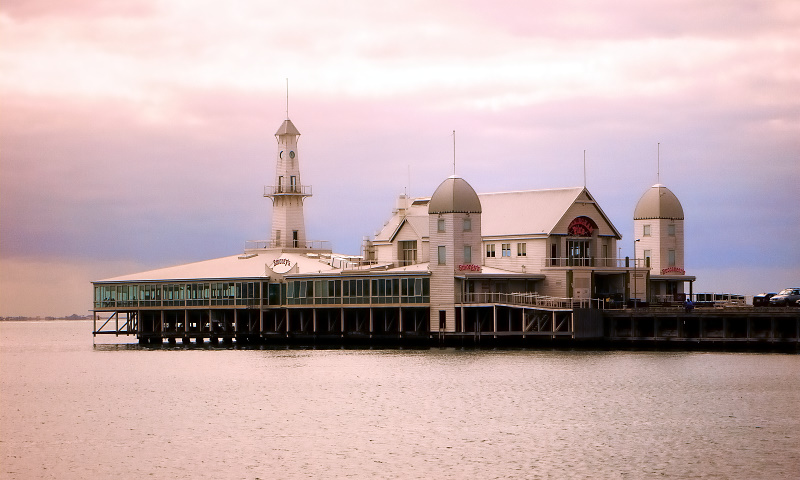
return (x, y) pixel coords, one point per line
(658, 223)
(288, 193)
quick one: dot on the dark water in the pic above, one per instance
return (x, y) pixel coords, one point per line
(70, 411)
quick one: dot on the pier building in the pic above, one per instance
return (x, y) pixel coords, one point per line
(659, 232)
(534, 265)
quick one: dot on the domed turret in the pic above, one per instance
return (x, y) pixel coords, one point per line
(658, 202)
(454, 195)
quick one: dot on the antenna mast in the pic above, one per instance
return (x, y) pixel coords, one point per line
(454, 152)
(584, 168)
(658, 165)
(287, 98)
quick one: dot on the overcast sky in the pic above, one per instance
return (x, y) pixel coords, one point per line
(138, 134)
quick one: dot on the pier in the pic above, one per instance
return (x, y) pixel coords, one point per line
(480, 321)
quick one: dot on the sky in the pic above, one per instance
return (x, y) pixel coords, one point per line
(139, 134)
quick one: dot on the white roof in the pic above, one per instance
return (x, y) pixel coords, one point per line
(525, 212)
(416, 215)
(235, 266)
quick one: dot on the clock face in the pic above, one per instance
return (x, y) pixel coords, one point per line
(291, 154)
(280, 155)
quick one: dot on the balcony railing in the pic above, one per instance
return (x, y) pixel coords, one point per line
(308, 244)
(271, 190)
(595, 262)
(522, 299)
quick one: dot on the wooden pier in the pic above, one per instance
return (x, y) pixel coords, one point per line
(476, 325)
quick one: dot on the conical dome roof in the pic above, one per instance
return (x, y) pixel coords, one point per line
(454, 195)
(658, 202)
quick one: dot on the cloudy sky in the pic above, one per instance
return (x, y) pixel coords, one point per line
(137, 134)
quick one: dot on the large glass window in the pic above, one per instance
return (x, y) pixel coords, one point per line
(579, 254)
(408, 252)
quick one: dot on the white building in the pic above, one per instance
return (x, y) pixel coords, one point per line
(658, 224)
(454, 263)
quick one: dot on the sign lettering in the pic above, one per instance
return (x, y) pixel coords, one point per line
(581, 227)
(469, 267)
(677, 270)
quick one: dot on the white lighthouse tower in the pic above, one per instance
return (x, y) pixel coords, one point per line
(288, 193)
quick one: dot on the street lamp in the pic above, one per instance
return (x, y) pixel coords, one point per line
(635, 292)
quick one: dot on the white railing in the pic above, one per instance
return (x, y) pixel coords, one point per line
(523, 299)
(308, 244)
(270, 190)
(595, 262)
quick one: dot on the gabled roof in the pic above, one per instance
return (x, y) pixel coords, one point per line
(525, 212)
(418, 224)
(416, 215)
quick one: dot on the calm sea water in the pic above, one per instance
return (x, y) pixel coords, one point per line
(68, 410)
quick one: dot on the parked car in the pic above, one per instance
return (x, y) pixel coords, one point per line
(787, 297)
(762, 299)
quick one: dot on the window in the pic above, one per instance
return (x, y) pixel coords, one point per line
(522, 249)
(280, 184)
(277, 238)
(506, 249)
(647, 258)
(408, 252)
(671, 254)
(440, 225)
(490, 250)
(646, 230)
(579, 254)
(671, 229)
(467, 254)
(295, 243)
(554, 255)
(467, 224)
(442, 255)
(293, 183)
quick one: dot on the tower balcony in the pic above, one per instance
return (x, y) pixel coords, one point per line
(278, 190)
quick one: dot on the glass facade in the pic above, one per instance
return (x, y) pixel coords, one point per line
(358, 291)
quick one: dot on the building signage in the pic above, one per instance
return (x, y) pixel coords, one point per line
(469, 268)
(581, 227)
(281, 265)
(677, 270)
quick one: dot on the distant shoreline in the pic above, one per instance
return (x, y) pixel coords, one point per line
(45, 319)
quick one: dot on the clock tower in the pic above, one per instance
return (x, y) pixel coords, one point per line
(287, 193)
